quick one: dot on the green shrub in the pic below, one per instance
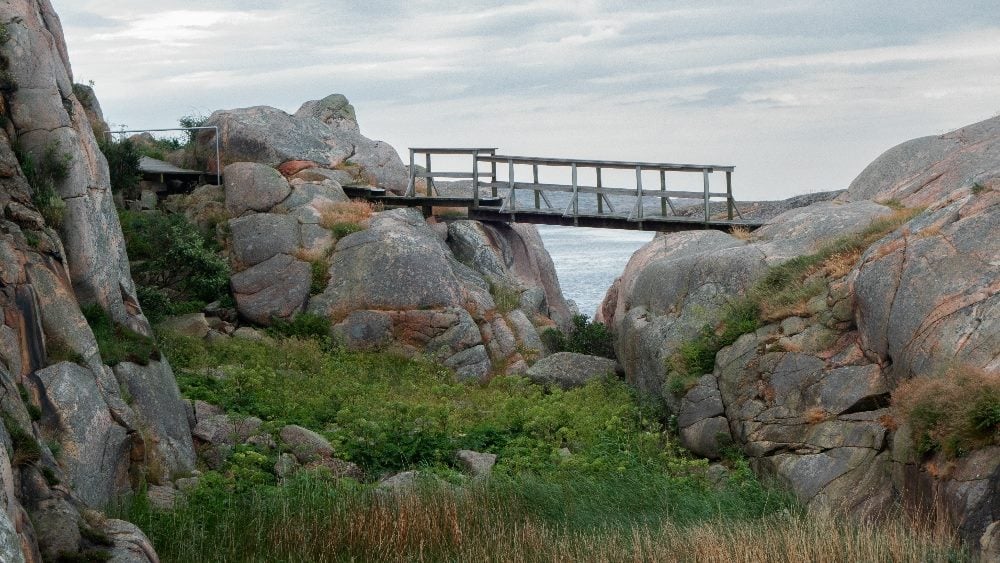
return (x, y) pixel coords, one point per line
(43, 175)
(696, 357)
(320, 270)
(123, 164)
(953, 413)
(172, 254)
(118, 343)
(590, 338)
(26, 447)
(342, 229)
(585, 337)
(303, 325)
(506, 297)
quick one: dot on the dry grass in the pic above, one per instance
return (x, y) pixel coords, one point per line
(354, 212)
(815, 415)
(741, 233)
(951, 413)
(476, 526)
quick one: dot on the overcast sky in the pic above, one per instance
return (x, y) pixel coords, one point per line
(799, 96)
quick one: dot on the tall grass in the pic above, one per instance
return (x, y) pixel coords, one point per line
(953, 413)
(312, 520)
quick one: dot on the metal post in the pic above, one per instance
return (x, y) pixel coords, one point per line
(729, 195)
(600, 196)
(534, 177)
(704, 175)
(475, 179)
(638, 190)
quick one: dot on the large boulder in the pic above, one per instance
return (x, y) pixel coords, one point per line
(95, 446)
(260, 236)
(253, 187)
(321, 134)
(276, 288)
(929, 295)
(512, 255)
(161, 413)
(569, 369)
(924, 171)
(398, 263)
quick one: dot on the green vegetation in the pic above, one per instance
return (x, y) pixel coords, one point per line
(585, 337)
(26, 447)
(7, 82)
(118, 343)
(978, 188)
(593, 460)
(193, 120)
(506, 297)
(620, 490)
(43, 175)
(341, 230)
(177, 268)
(697, 357)
(34, 411)
(320, 269)
(303, 325)
(783, 291)
(953, 413)
(123, 164)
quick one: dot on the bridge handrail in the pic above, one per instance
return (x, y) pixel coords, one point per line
(488, 156)
(615, 164)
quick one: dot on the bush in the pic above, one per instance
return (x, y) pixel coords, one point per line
(303, 325)
(118, 343)
(123, 164)
(952, 413)
(585, 337)
(171, 254)
(505, 297)
(43, 175)
(696, 357)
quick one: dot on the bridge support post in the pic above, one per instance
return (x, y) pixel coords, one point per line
(729, 195)
(534, 178)
(411, 185)
(704, 175)
(600, 196)
(638, 192)
(475, 180)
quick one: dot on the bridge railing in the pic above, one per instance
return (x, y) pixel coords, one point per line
(603, 192)
(429, 174)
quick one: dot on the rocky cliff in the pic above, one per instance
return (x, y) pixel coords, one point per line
(76, 431)
(896, 279)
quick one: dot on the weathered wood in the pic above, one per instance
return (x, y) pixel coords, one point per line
(506, 209)
(618, 164)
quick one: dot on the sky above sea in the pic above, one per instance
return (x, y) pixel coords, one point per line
(799, 96)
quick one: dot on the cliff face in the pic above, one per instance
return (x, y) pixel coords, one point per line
(76, 432)
(807, 395)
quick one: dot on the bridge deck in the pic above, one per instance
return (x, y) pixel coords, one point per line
(510, 189)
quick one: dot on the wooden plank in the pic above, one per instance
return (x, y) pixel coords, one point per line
(468, 175)
(674, 167)
(607, 191)
(443, 150)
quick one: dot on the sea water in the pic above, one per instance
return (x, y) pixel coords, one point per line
(587, 260)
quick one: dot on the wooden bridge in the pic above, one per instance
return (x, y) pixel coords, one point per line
(511, 189)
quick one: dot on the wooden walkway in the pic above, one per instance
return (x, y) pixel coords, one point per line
(553, 191)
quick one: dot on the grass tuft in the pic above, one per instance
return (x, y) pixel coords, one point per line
(953, 413)
(116, 342)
